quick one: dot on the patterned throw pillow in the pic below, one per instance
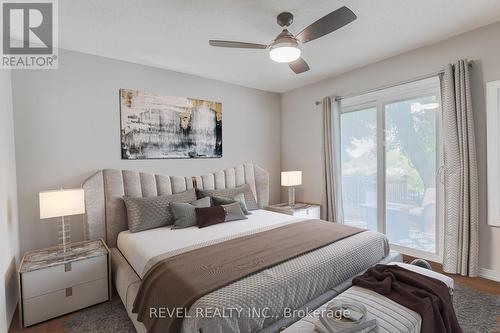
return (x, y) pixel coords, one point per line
(217, 201)
(250, 201)
(153, 212)
(219, 214)
(185, 214)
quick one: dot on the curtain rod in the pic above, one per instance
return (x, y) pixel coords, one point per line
(422, 77)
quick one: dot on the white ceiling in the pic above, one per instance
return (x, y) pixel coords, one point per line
(173, 34)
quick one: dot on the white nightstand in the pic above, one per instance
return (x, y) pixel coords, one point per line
(53, 283)
(300, 210)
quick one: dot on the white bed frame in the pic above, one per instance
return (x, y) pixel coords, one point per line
(106, 217)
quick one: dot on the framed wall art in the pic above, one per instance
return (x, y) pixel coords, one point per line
(157, 126)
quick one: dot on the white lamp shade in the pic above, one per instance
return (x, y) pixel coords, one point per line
(291, 178)
(61, 203)
(284, 53)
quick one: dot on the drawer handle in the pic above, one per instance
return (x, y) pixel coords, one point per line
(69, 291)
(67, 267)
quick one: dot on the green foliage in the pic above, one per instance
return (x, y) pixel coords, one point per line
(410, 142)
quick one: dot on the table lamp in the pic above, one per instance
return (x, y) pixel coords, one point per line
(61, 203)
(291, 179)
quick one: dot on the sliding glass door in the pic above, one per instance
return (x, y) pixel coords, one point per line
(410, 172)
(359, 167)
(390, 157)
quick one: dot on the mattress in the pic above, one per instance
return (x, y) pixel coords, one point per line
(139, 247)
(258, 300)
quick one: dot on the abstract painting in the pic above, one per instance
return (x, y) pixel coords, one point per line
(157, 126)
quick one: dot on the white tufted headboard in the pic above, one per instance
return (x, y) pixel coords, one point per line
(106, 217)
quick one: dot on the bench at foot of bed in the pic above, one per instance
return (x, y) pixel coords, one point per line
(390, 316)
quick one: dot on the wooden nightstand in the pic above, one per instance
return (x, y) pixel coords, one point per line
(53, 283)
(300, 210)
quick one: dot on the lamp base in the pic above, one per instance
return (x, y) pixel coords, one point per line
(64, 234)
(291, 196)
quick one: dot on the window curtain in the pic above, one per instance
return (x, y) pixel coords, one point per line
(332, 194)
(461, 215)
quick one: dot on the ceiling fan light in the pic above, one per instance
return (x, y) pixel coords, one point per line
(285, 48)
(285, 53)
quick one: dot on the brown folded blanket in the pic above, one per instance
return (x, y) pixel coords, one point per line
(425, 295)
(173, 284)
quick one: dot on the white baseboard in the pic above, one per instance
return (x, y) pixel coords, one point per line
(489, 274)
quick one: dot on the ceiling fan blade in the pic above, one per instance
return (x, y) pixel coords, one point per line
(329, 23)
(240, 45)
(299, 66)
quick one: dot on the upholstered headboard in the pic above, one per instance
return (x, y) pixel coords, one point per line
(106, 215)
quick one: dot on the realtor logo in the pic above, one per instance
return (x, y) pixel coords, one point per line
(29, 34)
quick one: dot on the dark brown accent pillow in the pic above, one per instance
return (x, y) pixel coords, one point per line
(219, 214)
(209, 216)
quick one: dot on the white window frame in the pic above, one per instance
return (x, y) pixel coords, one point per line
(379, 99)
(493, 151)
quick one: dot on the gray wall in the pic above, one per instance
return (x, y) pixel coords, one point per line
(301, 119)
(67, 127)
(9, 234)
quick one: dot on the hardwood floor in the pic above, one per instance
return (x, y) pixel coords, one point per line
(51, 326)
(57, 325)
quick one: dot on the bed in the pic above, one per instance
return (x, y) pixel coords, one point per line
(304, 282)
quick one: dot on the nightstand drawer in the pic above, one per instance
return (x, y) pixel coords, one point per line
(63, 301)
(312, 212)
(301, 213)
(47, 280)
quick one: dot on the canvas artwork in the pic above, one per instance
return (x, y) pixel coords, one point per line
(158, 126)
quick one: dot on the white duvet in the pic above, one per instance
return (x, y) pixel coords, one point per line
(138, 248)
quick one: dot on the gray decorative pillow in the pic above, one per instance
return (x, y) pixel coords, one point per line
(233, 212)
(250, 201)
(153, 212)
(185, 213)
(217, 201)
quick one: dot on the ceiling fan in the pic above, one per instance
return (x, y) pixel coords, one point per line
(286, 48)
